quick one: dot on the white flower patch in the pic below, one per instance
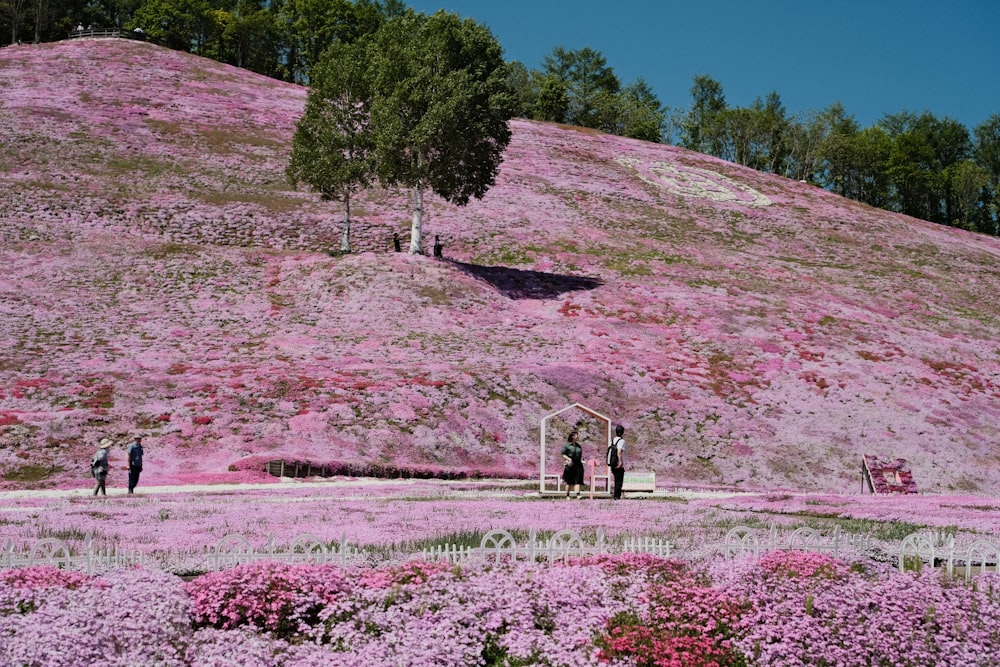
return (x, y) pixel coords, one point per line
(694, 182)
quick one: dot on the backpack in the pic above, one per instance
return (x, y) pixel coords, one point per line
(612, 457)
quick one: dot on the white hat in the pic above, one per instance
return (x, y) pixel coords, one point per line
(105, 443)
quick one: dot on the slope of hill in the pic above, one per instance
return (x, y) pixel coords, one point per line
(161, 277)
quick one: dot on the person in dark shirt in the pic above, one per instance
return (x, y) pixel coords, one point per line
(572, 454)
(134, 453)
(616, 460)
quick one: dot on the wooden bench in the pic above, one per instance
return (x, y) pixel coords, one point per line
(639, 480)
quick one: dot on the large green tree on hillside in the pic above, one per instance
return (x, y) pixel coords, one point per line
(440, 109)
(757, 134)
(552, 101)
(923, 163)
(986, 152)
(247, 35)
(313, 25)
(332, 150)
(634, 112)
(587, 78)
(704, 128)
(183, 25)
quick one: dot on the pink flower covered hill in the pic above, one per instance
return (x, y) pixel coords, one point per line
(161, 277)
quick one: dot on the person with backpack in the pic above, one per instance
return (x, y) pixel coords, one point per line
(99, 467)
(134, 453)
(616, 460)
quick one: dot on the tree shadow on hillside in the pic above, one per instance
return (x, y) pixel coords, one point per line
(521, 284)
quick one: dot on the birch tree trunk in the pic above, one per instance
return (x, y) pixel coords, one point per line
(345, 237)
(40, 10)
(418, 221)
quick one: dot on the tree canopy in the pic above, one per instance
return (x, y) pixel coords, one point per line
(333, 146)
(423, 104)
(440, 109)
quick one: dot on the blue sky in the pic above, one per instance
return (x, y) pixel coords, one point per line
(875, 57)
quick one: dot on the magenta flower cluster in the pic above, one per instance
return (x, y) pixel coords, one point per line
(283, 599)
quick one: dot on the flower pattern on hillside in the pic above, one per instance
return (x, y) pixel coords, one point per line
(695, 182)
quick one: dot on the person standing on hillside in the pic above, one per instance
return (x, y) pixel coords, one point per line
(572, 454)
(616, 460)
(134, 454)
(99, 467)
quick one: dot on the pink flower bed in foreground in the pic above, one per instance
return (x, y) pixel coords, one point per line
(786, 609)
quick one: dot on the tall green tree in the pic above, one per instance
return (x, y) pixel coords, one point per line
(972, 197)
(867, 178)
(552, 101)
(440, 109)
(183, 25)
(313, 25)
(704, 128)
(253, 39)
(755, 135)
(987, 146)
(839, 128)
(986, 152)
(520, 85)
(806, 135)
(635, 112)
(588, 80)
(926, 150)
(333, 146)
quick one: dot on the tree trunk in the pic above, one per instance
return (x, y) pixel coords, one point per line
(418, 221)
(15, 7)
(39, 16)
(345, 238)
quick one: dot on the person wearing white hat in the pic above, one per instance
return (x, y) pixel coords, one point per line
(99, 466)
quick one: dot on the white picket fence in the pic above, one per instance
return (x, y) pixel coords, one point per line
(234, 550)
(936, 550)
(978, 556)
(58, 553)
(230, 551)
(501, 545)
(744, 541)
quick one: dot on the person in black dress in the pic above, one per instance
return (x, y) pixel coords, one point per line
(572, 454)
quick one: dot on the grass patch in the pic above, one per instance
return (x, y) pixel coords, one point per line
(165, 250)
(32, 472)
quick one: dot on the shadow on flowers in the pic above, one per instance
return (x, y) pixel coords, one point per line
(522, 284)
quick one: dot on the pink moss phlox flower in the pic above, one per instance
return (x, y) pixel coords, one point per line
(46, 576)
(648, 647)
(409, 573)
(655, 568)
(681, 621)
(802, 564)
(268, 595)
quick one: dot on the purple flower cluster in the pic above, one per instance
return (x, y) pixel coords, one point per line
(791, 609)
(811, 610)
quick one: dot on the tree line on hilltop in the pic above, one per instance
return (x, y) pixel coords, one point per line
(919, 164)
